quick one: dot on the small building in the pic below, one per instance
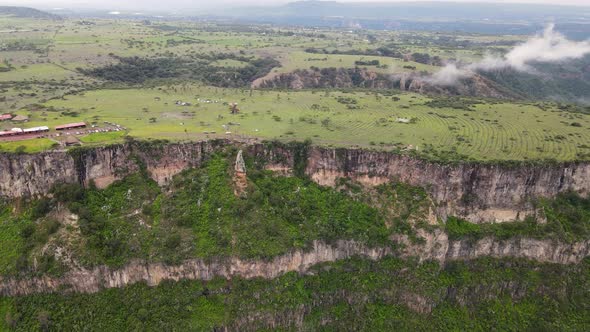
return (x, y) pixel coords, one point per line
(42, 129)
(71, 126)
(20, 118)
(5, 117)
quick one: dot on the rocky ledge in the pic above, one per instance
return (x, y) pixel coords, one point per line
(437, 247)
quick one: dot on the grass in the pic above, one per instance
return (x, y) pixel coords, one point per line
(104, 138)
(38, 72)
(490, 131)
(28, 146)
(303, 60)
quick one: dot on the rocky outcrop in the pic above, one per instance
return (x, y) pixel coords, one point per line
(437, 247)
(328, 78)
(473, 191)
(475, 85)
(90, 281)
(26, 175)
(476, 192)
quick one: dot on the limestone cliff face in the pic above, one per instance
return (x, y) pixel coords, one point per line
(90, 281)
(476, 192)
(438, 247)
(25, 175)
(33, 175)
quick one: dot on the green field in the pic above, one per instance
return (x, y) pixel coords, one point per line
(101, 138)
(28, 146)
(298, 60)
(491, 131)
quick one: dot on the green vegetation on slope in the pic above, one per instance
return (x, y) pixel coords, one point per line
(278, 214)
(198, 215)
(201, 68)
(356, 294)
(10, 237)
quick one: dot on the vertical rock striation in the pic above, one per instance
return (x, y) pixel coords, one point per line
(474, 191)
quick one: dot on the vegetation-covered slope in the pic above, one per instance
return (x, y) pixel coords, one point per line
(360, 295)
(199, 215)
(26, 12)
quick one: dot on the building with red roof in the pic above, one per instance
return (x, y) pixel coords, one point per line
(5, 117)
(71, 126)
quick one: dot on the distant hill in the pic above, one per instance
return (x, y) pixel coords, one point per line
(489, 18)
(26, 12)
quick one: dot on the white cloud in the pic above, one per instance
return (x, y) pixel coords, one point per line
(449, 75)
(550, 46)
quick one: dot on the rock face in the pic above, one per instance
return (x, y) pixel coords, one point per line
(90, 281)
(240, 179)
(437, 248)
(475, 192)
(475, 85)
(240, 166)
(33, 175)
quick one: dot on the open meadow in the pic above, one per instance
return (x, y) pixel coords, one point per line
(482, 130)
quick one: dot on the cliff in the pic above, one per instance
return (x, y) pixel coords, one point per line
(478, 192)
(438, 247)
(475, 192)
(332, 78)
(90, 281)
(25, 175)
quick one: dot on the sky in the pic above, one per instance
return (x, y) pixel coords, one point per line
(182, 4)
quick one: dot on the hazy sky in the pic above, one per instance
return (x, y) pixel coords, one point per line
(177, 4)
